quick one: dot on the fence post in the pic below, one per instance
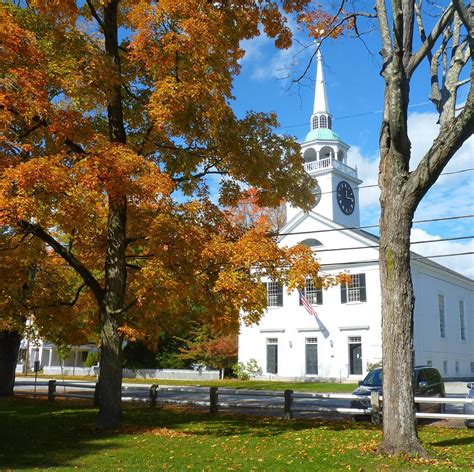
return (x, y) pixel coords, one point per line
(288, 413)
(96, 394)
(375, 407)
(51, 390)
(213, 400)
(153, 394)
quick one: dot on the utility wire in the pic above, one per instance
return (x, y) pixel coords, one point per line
(376, 261)
(469, 169)
(426, 241)
(353, 116)
(349, 228)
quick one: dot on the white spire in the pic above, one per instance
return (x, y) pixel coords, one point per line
(320, 99)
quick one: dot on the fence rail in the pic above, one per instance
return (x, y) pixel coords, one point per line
(287, 401)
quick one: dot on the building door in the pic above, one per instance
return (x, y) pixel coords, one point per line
(311, 356)
(355, 355)
(272, 355)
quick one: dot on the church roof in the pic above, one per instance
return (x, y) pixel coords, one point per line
(324, 134)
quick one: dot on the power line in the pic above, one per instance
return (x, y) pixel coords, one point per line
(353, 116)
(426, 241)
(349, 228)
(376, 261)
(469, 169)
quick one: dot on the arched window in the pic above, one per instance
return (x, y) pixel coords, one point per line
(326, 152)
(310, 155)
(329, 122)
(323, 121)
(315, 122)
(340, 156)
(311, 242)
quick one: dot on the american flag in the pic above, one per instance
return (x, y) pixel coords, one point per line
(307, 305)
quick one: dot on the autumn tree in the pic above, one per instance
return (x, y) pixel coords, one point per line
(113, 114)
(446, 43)
(248, 212)
(214, 349)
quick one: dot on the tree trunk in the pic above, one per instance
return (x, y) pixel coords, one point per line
(110, 375)
(112, 307)
(9, 347)
(399, 423)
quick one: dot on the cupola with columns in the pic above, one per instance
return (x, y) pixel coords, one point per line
(325, 159)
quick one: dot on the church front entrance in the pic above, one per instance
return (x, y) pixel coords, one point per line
(355, 355)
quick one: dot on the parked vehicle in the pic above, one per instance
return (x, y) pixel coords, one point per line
(427, 381)
(469, 409)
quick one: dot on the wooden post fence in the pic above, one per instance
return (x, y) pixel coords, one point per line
(153, 394)
(96, 394)
(51, 390)
(288, 413)
(375, 407)
(213, 400)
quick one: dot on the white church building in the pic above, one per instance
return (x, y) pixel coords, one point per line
(345, 336)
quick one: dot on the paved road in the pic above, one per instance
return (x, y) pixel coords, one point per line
(246, 401)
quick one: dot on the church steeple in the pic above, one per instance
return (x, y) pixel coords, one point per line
(321, 118)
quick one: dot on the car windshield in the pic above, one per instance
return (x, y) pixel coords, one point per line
(373, 379)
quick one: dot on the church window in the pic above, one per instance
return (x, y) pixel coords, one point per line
(313, 294)
(311, 242)
(272, 355)
(355, 290)
(323, 121)
(445, 367)
(315, 122)
(442, 318)
(310, 155)
(329, 122)
(462, 320)
(274, 294)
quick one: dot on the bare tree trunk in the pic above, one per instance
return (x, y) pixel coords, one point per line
(9, 348)
(399, 423)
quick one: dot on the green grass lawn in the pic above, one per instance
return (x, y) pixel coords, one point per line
(233, 383)
(61, 436)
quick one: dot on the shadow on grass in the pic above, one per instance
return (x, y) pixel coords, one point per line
(38, 434)
(454, 442)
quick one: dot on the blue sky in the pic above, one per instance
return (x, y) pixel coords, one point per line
(354, 87)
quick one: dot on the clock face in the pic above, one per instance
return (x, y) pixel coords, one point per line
(345, 197)
(317, 193)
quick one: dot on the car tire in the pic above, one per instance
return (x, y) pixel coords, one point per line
(469, 424)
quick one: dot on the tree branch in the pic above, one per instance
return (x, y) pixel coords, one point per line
(95, 14)
(449, 140)
(51, 305)
(87, 277)
(431, 39)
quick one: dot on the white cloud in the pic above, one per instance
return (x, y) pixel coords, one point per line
(462, 264)
(450, 196)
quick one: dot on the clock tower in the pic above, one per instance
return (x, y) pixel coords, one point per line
(325, 159)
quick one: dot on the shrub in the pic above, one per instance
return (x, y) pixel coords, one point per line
(246, 371)
(92, 358)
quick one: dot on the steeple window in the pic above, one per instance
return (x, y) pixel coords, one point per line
(323, 121)
(310, 155)
(329, 122)
(326, 152)
(314, 123)
(340, 156)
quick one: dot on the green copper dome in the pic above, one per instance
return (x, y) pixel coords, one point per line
(324, 134)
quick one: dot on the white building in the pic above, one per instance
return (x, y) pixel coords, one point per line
(346, 335)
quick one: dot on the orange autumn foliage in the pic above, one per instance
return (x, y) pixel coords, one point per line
(130, 124)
